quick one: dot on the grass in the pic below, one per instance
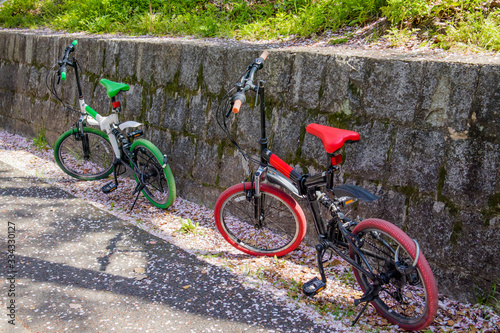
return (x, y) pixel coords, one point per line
(188, 227)
(450, 24)
(40, 142)
(489, 297)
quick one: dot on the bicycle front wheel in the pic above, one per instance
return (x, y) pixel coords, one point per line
(409, 300)
(157, 178)
(87, 157)
(275, 228)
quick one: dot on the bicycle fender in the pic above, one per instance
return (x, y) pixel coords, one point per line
(275, 177)
(354, 191)
(128, 124)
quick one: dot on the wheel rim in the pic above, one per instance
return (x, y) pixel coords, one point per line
(278, 231)
(403, 296)
(99, 162)
(152, 175)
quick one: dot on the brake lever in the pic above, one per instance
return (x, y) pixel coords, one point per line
(228, 113)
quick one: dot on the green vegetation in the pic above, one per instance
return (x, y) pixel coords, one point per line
(488, 297)
(188, 227)
(40, 142)
(451, 24)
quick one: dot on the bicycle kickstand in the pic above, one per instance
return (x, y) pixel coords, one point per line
(367, 297)
(138, 189)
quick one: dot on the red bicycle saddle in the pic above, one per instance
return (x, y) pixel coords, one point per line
(333, 138)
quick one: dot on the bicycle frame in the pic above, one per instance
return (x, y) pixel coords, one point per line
(370, 246)
(276, 171)
(111, 125)
(107, 124)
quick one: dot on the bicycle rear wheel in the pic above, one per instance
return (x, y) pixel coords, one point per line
(409, 300)
(158, 180)
(278, 229)
(90, 163)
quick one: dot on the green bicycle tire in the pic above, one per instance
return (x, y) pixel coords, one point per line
(60, 144)
(166, 170)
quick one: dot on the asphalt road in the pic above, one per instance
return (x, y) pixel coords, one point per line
(79, 269)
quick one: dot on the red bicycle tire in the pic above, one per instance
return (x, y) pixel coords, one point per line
(265, 188)
(426, 274)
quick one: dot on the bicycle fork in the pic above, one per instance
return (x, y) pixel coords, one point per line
(254, 194)
(80, 135)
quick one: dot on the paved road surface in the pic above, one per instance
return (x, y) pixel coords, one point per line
(80, 269)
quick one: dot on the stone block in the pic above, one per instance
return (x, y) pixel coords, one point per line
(368, 157)
(132, 105)
(22, 78)
(196, 121)
(4, 37)
(192, 58)
(213, 130)
(233, 167)
(391, 89)
(166, 62)
(277, 74)
(163, 140)
(198, 193)
(485, 117)
(206, 164)
(213, 64)
(8, 76)
(175, 113)
(415, 159)
(343, 84)
(447, 93)
(239, 59)
(111, 56)
(126, 59)
(28, 51)
(183, 156)
(285, 131)
(155, 105)
(6, 101)
(306, 79)
(471, 172)
(89, 53)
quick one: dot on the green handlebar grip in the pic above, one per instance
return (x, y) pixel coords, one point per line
(75, 42)
(63, 76)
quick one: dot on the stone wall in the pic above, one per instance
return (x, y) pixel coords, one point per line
(430, 127)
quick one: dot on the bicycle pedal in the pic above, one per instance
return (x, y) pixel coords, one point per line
(135, 134)
(109, 187)
(313, 287)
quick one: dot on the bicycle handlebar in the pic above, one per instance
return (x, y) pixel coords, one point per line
(64, 60)
(247, 82)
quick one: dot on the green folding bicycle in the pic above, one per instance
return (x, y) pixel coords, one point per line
(88, 153)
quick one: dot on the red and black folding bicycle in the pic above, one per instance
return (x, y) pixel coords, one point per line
(261, 219)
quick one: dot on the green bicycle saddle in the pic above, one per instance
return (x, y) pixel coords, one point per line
(113, 88)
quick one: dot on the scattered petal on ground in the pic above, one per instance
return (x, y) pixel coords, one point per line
(283, 276)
